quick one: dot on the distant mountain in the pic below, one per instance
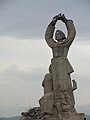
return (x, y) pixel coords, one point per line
(87, 117)
(11, 118)
(17, 118)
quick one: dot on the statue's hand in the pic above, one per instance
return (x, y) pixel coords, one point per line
(60, 17)
(57, 17)
(53, 22)
(63, 18)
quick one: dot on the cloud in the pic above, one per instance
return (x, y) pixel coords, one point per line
(16, 74)
(26, 53)
(28, 19)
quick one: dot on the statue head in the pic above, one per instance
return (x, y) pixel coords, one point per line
(59, 36)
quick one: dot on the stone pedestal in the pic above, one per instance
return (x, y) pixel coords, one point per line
(64, 116)
(70, 116)
(73, 116)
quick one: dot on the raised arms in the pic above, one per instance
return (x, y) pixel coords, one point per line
(49, 33)
(71, 32)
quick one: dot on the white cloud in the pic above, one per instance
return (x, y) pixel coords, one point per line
(18, 20)
(25, 53)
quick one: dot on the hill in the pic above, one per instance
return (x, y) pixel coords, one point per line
(17, 118)
(11, 118)
(88, 117)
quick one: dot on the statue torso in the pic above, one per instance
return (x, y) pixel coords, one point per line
(60, 51)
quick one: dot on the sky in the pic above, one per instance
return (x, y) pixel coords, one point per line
(25, 56)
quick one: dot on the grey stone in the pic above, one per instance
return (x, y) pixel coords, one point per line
(47, 104)
(70, 116)
(33, 113)
(62, 85)
(47, 83)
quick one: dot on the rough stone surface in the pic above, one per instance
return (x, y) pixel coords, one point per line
(33, 113)
(64, 116)
(70, 116)
(62, 84)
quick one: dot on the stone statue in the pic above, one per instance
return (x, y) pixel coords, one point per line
(61, 68)
(57, 83)
(58, 100)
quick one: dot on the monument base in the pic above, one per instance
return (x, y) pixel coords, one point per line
(68, 116)
(62, 116)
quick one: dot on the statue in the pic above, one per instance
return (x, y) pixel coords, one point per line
(61, 68)
(62, 88)
(58, 101)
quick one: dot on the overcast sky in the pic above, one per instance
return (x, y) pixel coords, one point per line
(25, 57)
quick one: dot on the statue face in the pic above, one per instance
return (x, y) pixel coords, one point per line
(59, 36)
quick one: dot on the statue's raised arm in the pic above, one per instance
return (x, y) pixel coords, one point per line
(71, 31)
(49, 33)
(59, 35)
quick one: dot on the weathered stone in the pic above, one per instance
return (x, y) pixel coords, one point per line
(70, 116)
(33, 113)
(62, 85)
(47, 83)
(47, 104)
